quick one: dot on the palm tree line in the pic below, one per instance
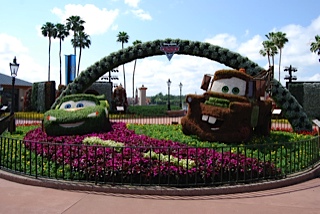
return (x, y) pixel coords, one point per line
(80, 39)
(272, 46)
(275, 43)
(315, 46)
(123, 37)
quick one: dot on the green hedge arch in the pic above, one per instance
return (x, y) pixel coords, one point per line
(289, 105)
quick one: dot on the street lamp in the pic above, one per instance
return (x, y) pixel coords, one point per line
(180, 85)
(14, 71)
(169, 83)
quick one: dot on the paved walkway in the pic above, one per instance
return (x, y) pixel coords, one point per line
(18, 198)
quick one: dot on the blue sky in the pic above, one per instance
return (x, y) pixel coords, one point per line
(240, 26)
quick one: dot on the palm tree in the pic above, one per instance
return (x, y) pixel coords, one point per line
(279, 39)
(315, 46)
(82, 40)
(49, 30)
(123, 37)
(269, 50)
(134, 69)
(62, 33)
(75, 23)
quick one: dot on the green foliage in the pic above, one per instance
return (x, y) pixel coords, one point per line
(160, 99)
(156, 110)
(34, 96)
(297, 91)
(311, 101)
(98, 141)
(291, 108)
(289, 151)
(79, 97)
(185, 163)
(41, 97)
(218, 102)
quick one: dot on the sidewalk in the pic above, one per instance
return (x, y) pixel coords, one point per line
(18, 198)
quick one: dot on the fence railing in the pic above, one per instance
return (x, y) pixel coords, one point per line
(29, 118)
(161, 166)
(164, 166)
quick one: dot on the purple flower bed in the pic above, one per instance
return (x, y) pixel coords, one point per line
(130, 165)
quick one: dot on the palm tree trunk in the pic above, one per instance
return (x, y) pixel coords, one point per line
(74, 39)
(269, 60)
(272, 73)
(134, 69)
(60, 62)
(79, 62)
(273, 61)
(280, 62)
(49, 59)
(124, 74)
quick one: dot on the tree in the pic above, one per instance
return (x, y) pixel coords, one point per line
(123, 37)
(62, 33)
(315, 46)
(134, 69)
(49, 30)
(279, 39)
(269, 50)
(75, 23)
(81, 40)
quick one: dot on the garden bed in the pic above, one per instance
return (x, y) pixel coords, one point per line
(157, 155)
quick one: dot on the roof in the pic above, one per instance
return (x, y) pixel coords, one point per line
(7, 80)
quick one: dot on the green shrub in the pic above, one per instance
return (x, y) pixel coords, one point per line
(156, 110)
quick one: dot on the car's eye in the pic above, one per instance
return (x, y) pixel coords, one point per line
(79, 105)
(67, 106)
(235, 90)
(225, 89)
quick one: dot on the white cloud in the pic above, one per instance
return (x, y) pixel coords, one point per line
(247, 33)
(142, 14)
(9, 48)
(315, 77)
(315, 25)
(97, 21)
(251, 48)
(224, 40)
(132, 3)
(114, 27)
(10, 44)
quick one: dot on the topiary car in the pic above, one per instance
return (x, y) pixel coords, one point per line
(78, 114)
(231, 109)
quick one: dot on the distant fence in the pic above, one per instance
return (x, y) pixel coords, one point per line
(29, 118)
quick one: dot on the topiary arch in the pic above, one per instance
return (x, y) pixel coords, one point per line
(289, 105)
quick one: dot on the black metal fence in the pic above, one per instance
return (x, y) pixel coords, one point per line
(163, 166)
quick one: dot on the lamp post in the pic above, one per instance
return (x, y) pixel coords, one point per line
(169, 83)
(14, 71)
(180, 85)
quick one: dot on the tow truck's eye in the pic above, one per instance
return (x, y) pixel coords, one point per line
(79, 105)
(235, 90)
(225, 89)
(233, 86)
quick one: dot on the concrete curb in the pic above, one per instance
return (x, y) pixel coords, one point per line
(165, 191)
